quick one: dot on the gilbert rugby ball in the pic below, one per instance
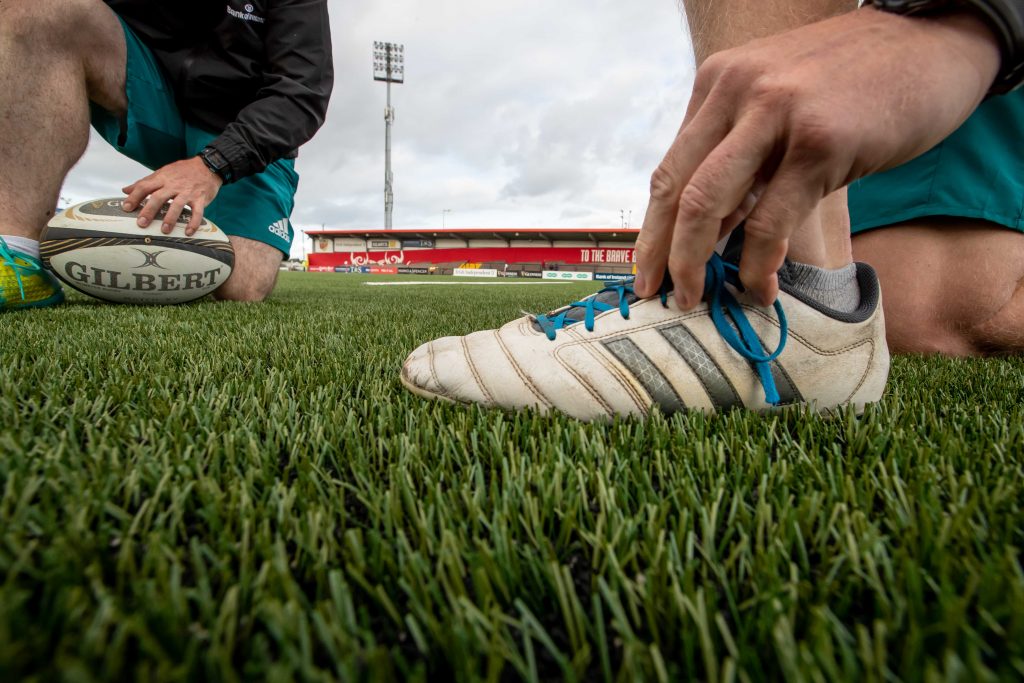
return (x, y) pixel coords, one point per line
(97, 248)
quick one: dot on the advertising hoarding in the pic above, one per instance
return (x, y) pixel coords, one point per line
(349, 244)
(475, 272)
(567, 276)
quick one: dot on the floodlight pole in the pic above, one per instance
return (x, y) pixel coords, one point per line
(388, 66)
(389, 178)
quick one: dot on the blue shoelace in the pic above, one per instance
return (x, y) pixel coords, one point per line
(723, 307)
(7, 258)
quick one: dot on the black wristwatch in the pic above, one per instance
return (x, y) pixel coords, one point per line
(218, 163)
(1005, 17)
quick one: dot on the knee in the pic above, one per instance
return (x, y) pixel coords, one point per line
(248, 284)
(1000, 330)
(932, 342)
(254, 274)
(1000, 335)
(249, 292)
(996, 334)
(923, 326)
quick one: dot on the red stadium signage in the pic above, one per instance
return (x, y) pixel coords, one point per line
(607, 255)
(511, 255)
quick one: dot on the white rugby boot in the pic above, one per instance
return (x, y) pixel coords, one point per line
(613, 354)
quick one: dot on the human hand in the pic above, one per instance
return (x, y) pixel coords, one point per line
(776, 125)
(187, 182)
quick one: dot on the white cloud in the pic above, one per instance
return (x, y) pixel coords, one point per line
(528, 113)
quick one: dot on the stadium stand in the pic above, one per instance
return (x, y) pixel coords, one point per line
(521, 252)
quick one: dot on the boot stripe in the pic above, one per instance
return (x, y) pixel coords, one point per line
(653, 381)
(788, 393)
(716, 384)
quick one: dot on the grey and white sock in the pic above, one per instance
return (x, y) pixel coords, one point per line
(22, 244)
(837, 289)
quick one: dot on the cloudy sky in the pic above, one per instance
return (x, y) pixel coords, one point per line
(529, 113)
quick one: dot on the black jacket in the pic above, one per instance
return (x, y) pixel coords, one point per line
(259, 72)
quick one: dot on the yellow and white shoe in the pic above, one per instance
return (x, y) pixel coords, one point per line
(614, 354)
(24, 282)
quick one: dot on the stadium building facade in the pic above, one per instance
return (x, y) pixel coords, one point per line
(512, 251)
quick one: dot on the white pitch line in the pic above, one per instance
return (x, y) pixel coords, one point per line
(460, 284)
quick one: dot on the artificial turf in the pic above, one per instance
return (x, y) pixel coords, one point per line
(229, 491)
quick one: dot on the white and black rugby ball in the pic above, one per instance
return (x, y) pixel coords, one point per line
(97, 248)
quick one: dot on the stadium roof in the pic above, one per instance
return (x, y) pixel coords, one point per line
(549, 234)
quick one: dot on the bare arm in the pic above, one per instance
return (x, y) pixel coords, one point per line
(717, 25)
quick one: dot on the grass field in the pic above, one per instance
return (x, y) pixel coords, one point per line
(223, 492)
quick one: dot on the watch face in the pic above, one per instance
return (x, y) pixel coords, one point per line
(216, 162)
(214, 158)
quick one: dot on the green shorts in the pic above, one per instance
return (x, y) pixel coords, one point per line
(258, 207)
(977, 172)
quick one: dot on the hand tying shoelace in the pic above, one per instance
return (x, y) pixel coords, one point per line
(722, 306)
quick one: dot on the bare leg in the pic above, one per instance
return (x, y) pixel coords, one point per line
(952, 286)
(255, 272)
(55, 55)
(715, 25)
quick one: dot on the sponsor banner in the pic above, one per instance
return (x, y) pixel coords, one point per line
(376, 245)
(365, 270)
(476, 272)
(413, 271)
(612, 276)
(510, 273)
(323, 245)
(383, 270)
(566, 276)
(530, 273)
(417, 244)
(349, 244)
(321, 269)
(342, 269)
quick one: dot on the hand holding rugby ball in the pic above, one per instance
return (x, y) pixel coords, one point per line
(97, 248)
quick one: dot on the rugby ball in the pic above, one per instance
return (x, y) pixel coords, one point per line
(97, 248)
